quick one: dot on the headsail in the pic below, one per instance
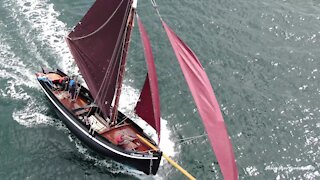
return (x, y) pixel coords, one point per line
(97, 46)
(148, 106)
(206, 103)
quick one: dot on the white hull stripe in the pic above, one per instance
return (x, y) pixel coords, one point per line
(87, 134)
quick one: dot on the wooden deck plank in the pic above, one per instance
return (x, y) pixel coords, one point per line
(111, 135)
(63, 96)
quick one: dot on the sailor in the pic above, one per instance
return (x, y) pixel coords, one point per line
(44, 78)
(72, 88)
(123, 139)
(63, 81)
(119, 139)
(126, 142)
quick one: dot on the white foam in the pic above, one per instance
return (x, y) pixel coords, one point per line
(19, 19)
(32, 115)
(289, 168)
(44, 19)
(252, 171)
(310, 171)
(18, 77)
(113, 166)
(128, 100)
(12, 68)
(16, 92)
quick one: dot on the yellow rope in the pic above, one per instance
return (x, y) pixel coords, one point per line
(172, 162)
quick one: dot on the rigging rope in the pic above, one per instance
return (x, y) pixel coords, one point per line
(105, 84)
(123, 54)
(114, 56)
(97, 30)
(176, 76)
(188, 139)
(111, 68)
(155, 6)
(177, 79)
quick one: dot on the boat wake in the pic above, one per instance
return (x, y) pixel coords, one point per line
(51, 32)
(19, 83)
(105, 164)
(32, 115)
(127, 103)
(18, 58)
(42, 39)
(128, 100)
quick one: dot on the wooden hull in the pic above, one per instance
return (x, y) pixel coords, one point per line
(141, 159)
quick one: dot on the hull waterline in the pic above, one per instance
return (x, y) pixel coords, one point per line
(146, 162)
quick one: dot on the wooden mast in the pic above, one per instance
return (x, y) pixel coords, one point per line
(114, 114)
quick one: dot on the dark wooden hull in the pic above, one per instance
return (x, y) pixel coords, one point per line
(143, 161)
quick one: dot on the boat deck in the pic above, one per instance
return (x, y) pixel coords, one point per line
(96, 123)
(126, 129)
(64, 98)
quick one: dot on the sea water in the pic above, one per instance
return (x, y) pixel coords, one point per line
(262, 58)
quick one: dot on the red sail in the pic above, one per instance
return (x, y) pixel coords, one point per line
(97, 44)
(206, 103)
(148, 106)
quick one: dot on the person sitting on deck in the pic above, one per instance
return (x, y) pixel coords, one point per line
(126, 141)
(45, 79)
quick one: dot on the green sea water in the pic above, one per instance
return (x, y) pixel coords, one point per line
(262, 58)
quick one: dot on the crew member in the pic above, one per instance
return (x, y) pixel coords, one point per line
(72, 89)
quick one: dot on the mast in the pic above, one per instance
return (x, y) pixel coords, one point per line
(97, 44)
(126, 44)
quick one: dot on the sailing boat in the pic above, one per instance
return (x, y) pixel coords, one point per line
(99, 45)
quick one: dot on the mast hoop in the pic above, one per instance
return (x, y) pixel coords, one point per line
(97, 30)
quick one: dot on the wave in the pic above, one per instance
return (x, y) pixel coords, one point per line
(51, 32)
(38, 26)
(127, 103)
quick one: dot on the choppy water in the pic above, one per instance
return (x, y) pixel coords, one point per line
(262, 58)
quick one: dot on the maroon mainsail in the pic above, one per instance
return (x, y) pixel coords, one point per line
(148, 106)
(97, 44)
(206, 103)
